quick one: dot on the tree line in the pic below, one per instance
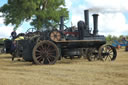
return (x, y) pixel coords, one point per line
(110, 39)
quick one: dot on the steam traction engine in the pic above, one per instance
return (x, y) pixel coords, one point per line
(50, 45)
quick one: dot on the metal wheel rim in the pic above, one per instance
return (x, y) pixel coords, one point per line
(55, 36)
(107, 53)
(90, 54)
(45, 52)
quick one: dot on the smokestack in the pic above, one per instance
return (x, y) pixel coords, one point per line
(95, 22)
(62, 23)
(86, 17)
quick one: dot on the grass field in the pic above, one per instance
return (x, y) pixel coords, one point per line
(65, 72)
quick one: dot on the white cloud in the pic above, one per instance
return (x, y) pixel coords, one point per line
(1, 20)
(77, 14)
(114, 24)
(114, 4)
(68, 3)
(5, 31)
(111, 20)
(75, 19)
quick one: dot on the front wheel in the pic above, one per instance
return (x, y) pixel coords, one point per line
(45, 52)
(107, 53)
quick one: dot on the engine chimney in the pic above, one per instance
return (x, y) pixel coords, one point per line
(95, 22)
(62, 23)
(86, 17)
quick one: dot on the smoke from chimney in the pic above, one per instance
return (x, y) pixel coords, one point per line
(106, 10)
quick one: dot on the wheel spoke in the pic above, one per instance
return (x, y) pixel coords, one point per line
(52, 56)
(52, 51)
(111, 54)
(92, 54)
(55, 35)
(58, 37)
(44, 47)
(110, 51)
(45, 52)
(52, 38)
(105, 49)
(39, 58)
(40, 48)
(106, 58)
(110, 57)
(48, 60)
(38, 51)
(52, 35)
(55, 32)
(48, 47)
(42, 60)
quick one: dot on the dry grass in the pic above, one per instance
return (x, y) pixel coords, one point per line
(65, 72)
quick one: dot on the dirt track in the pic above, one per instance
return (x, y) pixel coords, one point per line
(65, 72)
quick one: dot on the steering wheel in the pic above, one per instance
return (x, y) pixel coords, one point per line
(31, 30)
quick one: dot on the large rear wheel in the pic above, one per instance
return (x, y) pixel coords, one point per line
(45, 52)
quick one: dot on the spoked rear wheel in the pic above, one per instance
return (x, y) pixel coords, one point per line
(107, 53)
(45, 52)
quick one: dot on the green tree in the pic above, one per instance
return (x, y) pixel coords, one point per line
(114, 38)
(127, 37)
(41, 13)
(109, 39)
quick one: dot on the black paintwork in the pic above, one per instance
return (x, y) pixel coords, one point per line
(70, 45)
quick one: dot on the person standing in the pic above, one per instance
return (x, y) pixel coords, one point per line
(13, 34)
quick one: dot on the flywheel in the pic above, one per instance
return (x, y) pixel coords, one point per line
(55, 35)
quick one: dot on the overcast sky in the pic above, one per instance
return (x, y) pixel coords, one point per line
(113, 16)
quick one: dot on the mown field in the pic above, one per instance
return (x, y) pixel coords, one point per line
(65, 72)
